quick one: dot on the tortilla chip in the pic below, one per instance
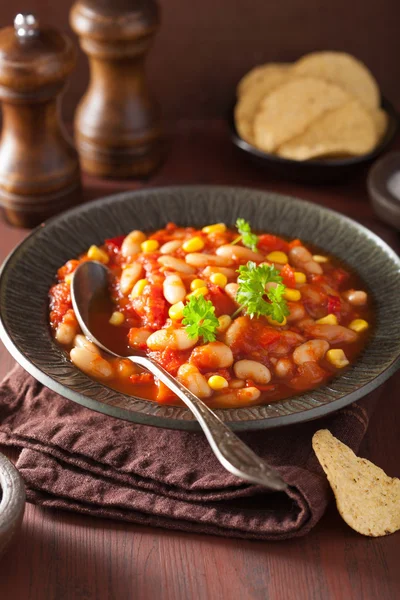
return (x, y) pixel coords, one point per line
(343, 70)
(288, 110)
(346, 131)
(367, 499)
(249, 101)
(259, 74)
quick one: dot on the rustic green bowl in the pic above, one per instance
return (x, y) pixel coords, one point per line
(29, 272)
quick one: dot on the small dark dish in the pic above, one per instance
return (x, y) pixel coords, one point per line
(384, 188)
(316, 171)
(12, 502)
(29, 272)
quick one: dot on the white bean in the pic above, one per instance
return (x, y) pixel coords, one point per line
(356, 297)
(310, 351)
(229, 273)
(237, 384)
(173, 289)
(283, 367)
(190, 376)
(297, 311)
(224, 323)
(236, 253)
(130, 275)
(171, 246)
(176, 264)
(81, 341)
(91, 364)
(335, 334)
(231, 290)
(302, 258)
(125, 368)
(236, 397)
(138, 336)
(214, 355)
(131, 244)
(176, 339)
(201, 261)
(67, 329)
(236, 330)
(252, 369)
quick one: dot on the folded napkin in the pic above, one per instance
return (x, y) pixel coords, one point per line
(79, 460)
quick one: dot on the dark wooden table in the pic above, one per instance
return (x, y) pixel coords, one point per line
(61, 556)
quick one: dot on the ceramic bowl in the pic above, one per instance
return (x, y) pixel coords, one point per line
(30, 271)
(384, 188)
(317, 171)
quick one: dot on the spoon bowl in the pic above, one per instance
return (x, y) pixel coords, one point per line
(90, 280)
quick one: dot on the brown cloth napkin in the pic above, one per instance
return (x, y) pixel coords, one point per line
(79, 460)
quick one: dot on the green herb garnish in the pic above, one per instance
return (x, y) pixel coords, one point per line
(247, 237)
(199, 318)
(254, 298)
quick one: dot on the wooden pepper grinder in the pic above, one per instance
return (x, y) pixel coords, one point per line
(117, 129)
(39, 168)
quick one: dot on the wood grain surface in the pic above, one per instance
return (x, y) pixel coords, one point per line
(62, 556)
(203, 48)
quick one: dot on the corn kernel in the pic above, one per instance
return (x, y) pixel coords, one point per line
(299, 277)
(216, 228)
(216, 382)
(320, 259)
(292, 295)
(197, 283)
(337, 358)
(194, 244)
(117, 318)
(149, 246)
(224, 322)
(328, 320)
(138, 288)
(176, 311)
(202, 291)
(68, 278)
(219, 279)
(272, 321)
(96, 253)
(359, 325)
(278, 257)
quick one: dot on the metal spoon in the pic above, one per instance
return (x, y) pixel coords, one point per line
(90, 280)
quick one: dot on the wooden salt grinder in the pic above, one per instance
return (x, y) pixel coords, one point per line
(39, 168)
(117, 129)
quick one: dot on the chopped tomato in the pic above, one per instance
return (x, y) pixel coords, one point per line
(269, 243)
(334, 305)
(223, 304)
(340, 276)
(170, 359)
(309, 374)
(113, 245)
(288, 278)
(60, 303)
(164, 394)
(295, 243)
(141, 378)
(152, 307)
(67, 269)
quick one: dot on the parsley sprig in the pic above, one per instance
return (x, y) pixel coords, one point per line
(247, 237)
(199, 318)
(254, 298)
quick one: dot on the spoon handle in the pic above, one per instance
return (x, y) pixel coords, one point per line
(233, 454)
